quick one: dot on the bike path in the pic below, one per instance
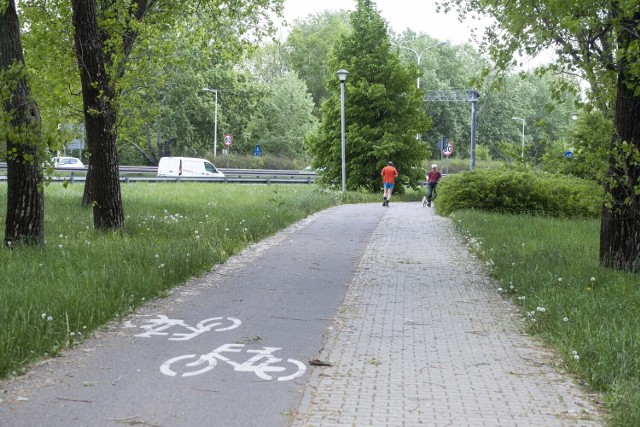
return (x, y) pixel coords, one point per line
(266, 309)
(411, 327)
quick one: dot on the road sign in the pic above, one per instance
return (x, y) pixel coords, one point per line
(227, 139)
(447, 150)
(256, 152)
(568, 154)
(442, 142)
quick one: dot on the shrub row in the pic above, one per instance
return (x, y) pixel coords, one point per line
(520, 192)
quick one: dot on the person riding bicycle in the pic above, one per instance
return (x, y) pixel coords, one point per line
(433, 177)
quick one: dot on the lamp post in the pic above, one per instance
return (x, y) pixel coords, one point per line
(519, 118)
(215, 122)
(574, 118)
(342, 76)
(419, 54)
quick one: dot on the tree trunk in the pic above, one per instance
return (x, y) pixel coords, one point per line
(98, 97)
(25, 197)
(620, 227)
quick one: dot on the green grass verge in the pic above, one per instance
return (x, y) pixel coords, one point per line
(550, 268)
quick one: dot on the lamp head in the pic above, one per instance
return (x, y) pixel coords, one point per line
(342, 75)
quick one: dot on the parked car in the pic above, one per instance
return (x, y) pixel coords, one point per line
(187, 167)
(67, 163)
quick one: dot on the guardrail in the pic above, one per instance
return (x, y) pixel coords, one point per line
(132, 174)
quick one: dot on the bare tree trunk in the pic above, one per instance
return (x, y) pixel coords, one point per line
(100, 119)
(620, 227)
(25, 197)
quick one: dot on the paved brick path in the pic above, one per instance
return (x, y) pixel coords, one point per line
(424, 339)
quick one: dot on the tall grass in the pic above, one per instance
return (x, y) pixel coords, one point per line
(589, 314)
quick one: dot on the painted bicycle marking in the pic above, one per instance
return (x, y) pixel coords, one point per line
(159, 326)
(264, 364)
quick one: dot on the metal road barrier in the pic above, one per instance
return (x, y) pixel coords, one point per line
(130, 174)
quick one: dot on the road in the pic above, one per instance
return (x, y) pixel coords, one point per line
(271, 306)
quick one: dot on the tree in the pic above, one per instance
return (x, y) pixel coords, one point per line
(20, 129)
(383, 109)
(98, 96)
(308, 47)
(283, 118)
(600, 41)
(105, 38)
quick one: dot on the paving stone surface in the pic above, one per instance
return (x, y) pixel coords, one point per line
(423, 338)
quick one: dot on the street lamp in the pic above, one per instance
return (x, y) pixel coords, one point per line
(574, 117)
(419, 54)
(342, 76)
(519, 118)
(215, 122)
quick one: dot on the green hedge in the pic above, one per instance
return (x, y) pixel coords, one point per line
(520, 192)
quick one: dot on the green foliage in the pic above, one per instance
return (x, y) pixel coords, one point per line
(549, 268)
(283, 118)
(53, 70)
(308, 47)
(383, 110)
(516, 191)
(530, 97)
(590, 144)
(250, 161)
(582, 34)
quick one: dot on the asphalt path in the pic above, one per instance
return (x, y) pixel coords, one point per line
(232, 348)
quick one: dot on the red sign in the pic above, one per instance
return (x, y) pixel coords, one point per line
(447, 150)
(227, 139)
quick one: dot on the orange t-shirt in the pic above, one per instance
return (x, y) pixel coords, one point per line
(389, 174)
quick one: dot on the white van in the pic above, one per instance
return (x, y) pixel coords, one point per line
(187, 167)
(67, 163)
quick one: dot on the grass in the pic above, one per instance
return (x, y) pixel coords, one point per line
(588, 314)
(52, 297)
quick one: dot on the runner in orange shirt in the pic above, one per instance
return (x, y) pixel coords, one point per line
(389, 174)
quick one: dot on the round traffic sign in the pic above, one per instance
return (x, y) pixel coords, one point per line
(227, 139)
(447, 150)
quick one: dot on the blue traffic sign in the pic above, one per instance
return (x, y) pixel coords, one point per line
(568, 154)
(256, 152)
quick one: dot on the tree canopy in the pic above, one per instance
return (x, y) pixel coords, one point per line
(383, 109)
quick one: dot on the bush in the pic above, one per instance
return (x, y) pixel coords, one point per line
(265, 161)
(519, 192)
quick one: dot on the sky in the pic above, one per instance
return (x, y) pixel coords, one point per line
(418, 15)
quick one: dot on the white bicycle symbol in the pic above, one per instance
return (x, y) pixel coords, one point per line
(263, 363)
(162, 323)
